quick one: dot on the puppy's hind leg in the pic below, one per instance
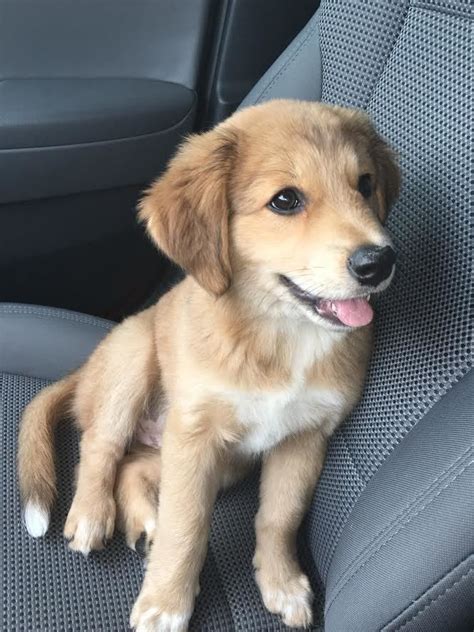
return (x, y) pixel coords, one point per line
(136, 494)
(110, 399)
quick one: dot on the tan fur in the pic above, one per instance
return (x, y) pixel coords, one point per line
(136, 494)
(37, 478)
(277, 524)
(221, 349)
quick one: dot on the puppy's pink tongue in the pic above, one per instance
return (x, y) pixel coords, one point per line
(353, 312)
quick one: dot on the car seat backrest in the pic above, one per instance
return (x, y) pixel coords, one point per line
(408, 65)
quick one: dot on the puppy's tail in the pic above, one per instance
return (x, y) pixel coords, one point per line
(36, 468)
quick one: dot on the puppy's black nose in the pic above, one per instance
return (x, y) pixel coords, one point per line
(370, 265)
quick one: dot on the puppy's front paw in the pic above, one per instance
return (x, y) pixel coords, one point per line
(289, 597)
(90, 524)
(150, 615)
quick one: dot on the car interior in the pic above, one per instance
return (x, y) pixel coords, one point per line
(95, 98)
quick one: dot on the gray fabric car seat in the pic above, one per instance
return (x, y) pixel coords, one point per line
(389, 539)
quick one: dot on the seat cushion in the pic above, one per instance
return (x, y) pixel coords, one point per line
(47, 587)
(411, 533)
(46, 343)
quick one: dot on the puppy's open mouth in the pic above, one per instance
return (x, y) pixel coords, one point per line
(350, 312)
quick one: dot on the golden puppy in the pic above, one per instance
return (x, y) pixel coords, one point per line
(276, 215)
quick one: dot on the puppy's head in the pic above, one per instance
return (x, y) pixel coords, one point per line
(285, 202)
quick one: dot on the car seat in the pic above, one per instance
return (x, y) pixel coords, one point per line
(389, 539)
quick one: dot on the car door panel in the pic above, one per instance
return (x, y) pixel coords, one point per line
(95, 96)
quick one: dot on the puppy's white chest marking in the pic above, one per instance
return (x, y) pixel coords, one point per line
(271, 417)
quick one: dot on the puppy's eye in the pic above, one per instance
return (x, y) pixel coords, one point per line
(286, 202)
(364, 185)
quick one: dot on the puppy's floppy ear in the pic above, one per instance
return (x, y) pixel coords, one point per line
(388, 175)
(187, 210)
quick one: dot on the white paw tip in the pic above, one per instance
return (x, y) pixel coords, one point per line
(173, 622)
(36, 519)
(294, 607)
(154, 621)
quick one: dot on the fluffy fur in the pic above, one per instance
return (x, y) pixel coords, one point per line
(236, 365)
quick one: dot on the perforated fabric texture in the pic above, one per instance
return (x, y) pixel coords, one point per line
(409, 66)
(44, 585)
(48, 588)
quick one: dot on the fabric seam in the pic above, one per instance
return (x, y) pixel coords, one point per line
(388, 57)
(327, 562)
(27, 377)
(427, 6)
(60, 316)
(433, 600)
(404, 511)
(402, 526)
(411, 6)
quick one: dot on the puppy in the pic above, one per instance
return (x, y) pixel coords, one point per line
(277, 217)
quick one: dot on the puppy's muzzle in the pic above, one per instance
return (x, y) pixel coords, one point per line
(370, 265)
